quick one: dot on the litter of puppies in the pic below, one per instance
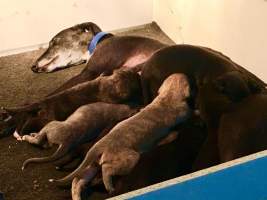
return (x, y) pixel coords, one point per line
(118, 117)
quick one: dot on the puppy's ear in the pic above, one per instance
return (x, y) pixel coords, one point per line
(233, 85)
(254, 85)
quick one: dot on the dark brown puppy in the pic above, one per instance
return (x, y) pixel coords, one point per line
(243, 130)
(201, 66)
(81, 127)
(216, 83)
(122, 86)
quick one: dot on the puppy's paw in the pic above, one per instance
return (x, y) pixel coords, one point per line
(24, 138)
(17, 136)
(33, 134)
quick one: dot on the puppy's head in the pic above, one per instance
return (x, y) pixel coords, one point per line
(12, 120)
(122, 85)
(175, 86)
(234, 85)
(67, 48)
(23, 121)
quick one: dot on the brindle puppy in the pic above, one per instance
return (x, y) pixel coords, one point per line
(81, 127)
(120, 87)
(119, 151)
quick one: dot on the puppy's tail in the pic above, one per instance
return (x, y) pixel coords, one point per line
(90, 160)
(61, 151)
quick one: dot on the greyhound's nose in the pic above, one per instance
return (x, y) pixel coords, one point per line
(34, 68)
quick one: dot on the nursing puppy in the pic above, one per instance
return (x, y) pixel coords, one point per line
(164, 162)
(243, 130)
(120, 87)
(119, 151)
(176, 158)
(81, 127)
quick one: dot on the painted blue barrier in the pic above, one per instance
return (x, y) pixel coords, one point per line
(239, 180)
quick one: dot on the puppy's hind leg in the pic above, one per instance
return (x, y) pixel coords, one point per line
(60, 152)
(117, 163)
(79, 184)
(65, 160)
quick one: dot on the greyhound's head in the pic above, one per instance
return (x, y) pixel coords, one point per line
(67, 48)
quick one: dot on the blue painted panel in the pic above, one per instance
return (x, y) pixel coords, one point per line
(247, 181)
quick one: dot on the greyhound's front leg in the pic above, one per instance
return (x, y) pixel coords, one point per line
(80, 78)
(79, 184)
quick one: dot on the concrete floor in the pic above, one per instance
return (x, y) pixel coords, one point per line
(19, 85)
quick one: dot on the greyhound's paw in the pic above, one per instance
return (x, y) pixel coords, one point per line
(51, 180)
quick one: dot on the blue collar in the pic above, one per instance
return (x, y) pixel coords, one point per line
(95, 40)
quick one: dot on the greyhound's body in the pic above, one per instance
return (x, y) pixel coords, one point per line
(113, 53)
(81, 127)
(70, 47)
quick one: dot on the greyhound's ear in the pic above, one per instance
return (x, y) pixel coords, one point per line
(89, 26)
(95, 29)
(233, 85)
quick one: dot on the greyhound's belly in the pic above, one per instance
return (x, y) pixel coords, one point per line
(136, 60)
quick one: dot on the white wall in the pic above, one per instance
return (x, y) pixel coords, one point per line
(30, 22)
(238, 28)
